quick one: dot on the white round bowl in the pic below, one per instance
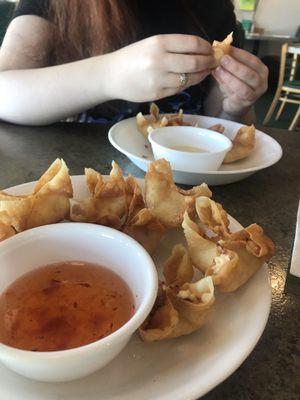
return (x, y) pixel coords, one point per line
(215, 146)
(83, 242)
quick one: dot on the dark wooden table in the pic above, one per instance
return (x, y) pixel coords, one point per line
(270, 198)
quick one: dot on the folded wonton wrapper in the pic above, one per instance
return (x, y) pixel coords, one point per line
(107, 204)
(49, 202)
(146, 229)
(181, 307)
(213, 216)
(222, 48)
(230, 261)
(178, 268)
(168, 202)
(177, 313)
(202, 251)
(234, 266)
(145, 125)
(217, 128)
(134, 197)
(6, 229)
(242, 145)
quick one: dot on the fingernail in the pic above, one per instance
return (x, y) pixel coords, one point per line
(225, 60)
(218, 74)
(218, 71)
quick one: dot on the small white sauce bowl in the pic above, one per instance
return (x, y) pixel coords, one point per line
(83, 242)
(216, 146)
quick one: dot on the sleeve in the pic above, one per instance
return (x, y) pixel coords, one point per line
(32, 7)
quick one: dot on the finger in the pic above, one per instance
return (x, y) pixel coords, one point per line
(188, 44)
(173, 80)
(232, 84)
(241, 71)
(249, 59)
(188, 63)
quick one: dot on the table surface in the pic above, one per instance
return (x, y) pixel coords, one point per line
(269, 197)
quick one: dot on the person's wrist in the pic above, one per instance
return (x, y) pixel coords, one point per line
(246, 116)
(235, 110)
(106, 81)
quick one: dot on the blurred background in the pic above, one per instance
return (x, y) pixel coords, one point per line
(267, 26)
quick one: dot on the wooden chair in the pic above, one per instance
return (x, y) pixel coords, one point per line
(288, 89)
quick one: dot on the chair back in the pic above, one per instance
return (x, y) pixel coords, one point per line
(294, 52)
(283, 66)
(288, 63)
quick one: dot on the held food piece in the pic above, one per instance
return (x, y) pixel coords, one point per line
(145, 125)
(222, 48)
(107, 203)
(230, 258)
(49, 202)
(167, 202)
(181, 307)
(243, 144)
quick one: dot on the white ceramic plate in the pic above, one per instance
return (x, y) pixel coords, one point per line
(125, 137)
(179, 369)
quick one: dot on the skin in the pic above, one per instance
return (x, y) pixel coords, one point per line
(34, 93)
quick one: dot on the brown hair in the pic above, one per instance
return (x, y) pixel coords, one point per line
(86, 28)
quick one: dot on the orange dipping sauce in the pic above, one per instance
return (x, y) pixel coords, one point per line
(62, 306)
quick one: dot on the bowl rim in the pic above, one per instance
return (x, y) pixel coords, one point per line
(155, 132)
(147, 302)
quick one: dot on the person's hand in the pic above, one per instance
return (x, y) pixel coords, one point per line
(150, 69)
(243, 78)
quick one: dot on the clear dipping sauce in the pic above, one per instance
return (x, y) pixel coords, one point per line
(62, 306)
(190, 149)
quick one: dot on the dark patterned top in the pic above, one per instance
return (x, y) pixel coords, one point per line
(216, 18)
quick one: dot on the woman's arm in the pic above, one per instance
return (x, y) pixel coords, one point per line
(33, 93)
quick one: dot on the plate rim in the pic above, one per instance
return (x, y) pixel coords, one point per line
(196, 391)
(111, 138)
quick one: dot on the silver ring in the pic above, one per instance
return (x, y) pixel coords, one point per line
(183, 79)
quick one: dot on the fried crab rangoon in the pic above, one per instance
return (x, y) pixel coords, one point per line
(146, 229)
(6, 228)
(155, 120)
(107, 202)
(242, 145)
(168, 202)
(230, 258)
(222, 48)
(48, 204)
(118, 203)
(182, 307)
